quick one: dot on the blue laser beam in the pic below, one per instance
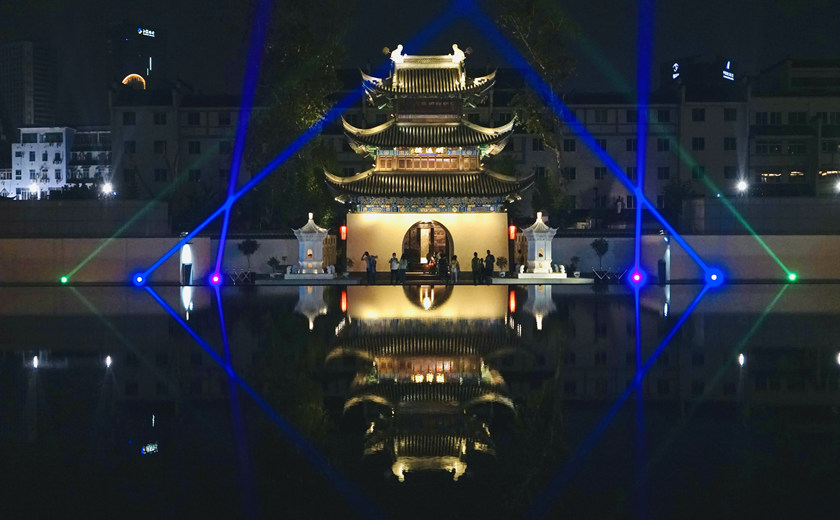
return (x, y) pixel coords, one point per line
(246, 480)
(645, 43)
(249, 87)
(641, 438)
(318, 461)
(422, 37)
(542, 504)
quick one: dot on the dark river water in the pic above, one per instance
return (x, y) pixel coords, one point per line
(420, 402)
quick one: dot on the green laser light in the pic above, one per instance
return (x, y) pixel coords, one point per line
(792, 277)
(64, 279)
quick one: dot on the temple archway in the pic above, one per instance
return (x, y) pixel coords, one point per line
(424, 239)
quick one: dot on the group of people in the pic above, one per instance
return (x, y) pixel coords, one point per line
(446, 269)
(482, 270)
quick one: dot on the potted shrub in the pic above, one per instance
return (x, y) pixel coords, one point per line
(573, 266)
(502, 262)
(600, 246)
(274, 264)
(248, 247)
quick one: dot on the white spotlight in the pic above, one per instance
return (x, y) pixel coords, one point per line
(742, 186)
(33, 188)
(35, 362)
(107, 188)
(108, 361)
(741, 359)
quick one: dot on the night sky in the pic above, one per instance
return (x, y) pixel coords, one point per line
(207, 39)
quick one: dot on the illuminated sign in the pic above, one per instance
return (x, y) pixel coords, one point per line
(146, 32)
(727, 73)
(676, 68)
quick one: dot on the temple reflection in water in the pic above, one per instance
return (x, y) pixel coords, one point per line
(426, 388)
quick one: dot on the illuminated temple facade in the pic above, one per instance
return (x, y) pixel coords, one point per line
(427, 190)
(425, 387)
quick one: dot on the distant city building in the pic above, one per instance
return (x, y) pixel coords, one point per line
(163, 135)
(27, 86)
(49, 158)
(138, 55)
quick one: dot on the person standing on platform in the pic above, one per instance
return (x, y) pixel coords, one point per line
(454, 268)
(370, 265)
(403, 267)
(394, 263)
(477, 269)
(489, 264)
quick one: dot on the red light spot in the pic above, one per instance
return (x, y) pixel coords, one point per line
(512, 301)
(343, 301)
(512, 232)
(342, 231)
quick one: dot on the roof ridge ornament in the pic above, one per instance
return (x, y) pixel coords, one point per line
(397, 56)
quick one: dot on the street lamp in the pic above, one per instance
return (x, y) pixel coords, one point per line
(742, 186)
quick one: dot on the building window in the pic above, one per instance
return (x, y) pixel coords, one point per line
(698, 114)
(32, 176)
(57, 158)
(775, 118)
(631, 145)
(796, 147)
(160, 146)
(130, 146)
(19, 154)
(160, 175)
(194, 118)
(129, 118)
(698, 172)
(537, 145)
(631, 173)
(600, 172)
(663, 173)
(539, 171)
(698, 144)
(632, 115)
(31, 156)
(569, 145)
(224, 118)
(663, 144)
(194, 147)
(768, 147)
(195, 175)
(601, 115)
(761, 118)
(729, 172)
(797, 118)
(602, 143)
(18, 175)
(570, 173)
(45, 156)
(729, 144)
(224, 147)
(663, 115)
(159, 118)
(58, 174)
(829, 146)
(730, 114)
(631, 202)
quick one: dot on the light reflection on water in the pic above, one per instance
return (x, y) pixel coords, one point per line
(478, 394)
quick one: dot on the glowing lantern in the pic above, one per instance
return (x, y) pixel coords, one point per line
(512, 301)
(343, 301)
(342, 232)
(512, 232)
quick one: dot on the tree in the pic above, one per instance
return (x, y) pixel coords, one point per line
(537, 29)
(248, 247)
(297, 86)
(600, 246)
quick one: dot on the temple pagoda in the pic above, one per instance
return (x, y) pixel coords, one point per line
(427, 190)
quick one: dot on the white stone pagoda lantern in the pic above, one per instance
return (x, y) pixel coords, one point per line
(310, 252)
(539, 237)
